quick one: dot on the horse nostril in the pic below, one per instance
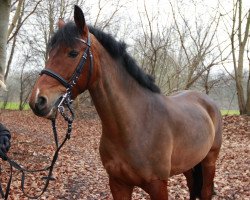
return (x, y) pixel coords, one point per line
(41, 103)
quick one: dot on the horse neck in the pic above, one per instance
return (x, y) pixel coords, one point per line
(115, 94)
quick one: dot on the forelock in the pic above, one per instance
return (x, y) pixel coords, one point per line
(66, 35)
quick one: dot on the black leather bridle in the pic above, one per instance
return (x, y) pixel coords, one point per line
(75, 76)
(64, 101)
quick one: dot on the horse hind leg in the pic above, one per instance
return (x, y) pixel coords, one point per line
(200, 179)
(195, 178)
(194, 181)
(208, 173)
(208, 167)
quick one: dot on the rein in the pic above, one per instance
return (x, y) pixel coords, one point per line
(64, 102)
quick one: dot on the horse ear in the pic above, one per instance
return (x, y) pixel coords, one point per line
(60, 23)
(79, 19)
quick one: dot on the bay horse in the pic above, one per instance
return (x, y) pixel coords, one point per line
(147, 137)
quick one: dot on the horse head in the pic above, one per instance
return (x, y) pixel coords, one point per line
(68, 68)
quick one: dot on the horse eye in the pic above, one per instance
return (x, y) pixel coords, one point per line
(73, 54)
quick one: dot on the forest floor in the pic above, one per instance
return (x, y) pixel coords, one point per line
(79, 173)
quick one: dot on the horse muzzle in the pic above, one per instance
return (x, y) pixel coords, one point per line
(43, 108)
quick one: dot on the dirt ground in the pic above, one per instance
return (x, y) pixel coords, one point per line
(79, 173)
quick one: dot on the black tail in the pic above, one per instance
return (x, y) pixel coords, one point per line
(198, 180)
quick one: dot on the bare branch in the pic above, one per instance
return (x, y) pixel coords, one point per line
(17, 28)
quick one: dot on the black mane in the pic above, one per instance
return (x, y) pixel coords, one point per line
(116, 49)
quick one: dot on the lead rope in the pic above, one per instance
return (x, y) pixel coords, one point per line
(13, 164)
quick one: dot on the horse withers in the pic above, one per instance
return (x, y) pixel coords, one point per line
(147, 137)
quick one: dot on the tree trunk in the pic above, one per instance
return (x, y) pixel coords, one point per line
(248, 92)
(18, 24)
(16, 17)
(239, 81)
(4, 22)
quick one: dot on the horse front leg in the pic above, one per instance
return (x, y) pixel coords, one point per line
(157, 190)
(119, 190)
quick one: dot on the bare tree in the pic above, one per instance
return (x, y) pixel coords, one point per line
(15, 22)
(153, 48)
(199, 49)
(181, 53)
(104, 20)
(47, 16)
(25, 4)
(208, 82)
(238, 51)
(27, 80)
(18, 20)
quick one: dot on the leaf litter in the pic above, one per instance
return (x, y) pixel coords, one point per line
(79, 173)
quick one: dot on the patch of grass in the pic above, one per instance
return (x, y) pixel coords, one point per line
(230, 112)
(13, 106)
